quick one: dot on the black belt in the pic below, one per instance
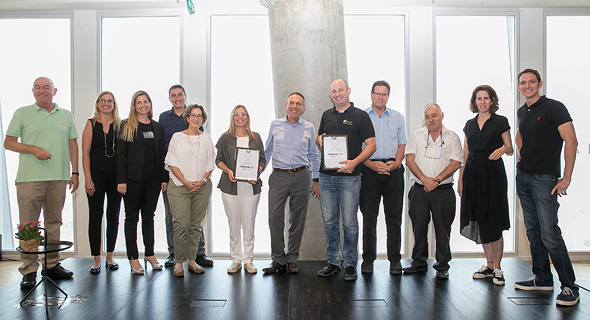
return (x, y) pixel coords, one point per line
(383, 160)
(290, 170)
(440, 186)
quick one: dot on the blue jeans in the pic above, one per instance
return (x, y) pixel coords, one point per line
(340, 195)
(539, 209)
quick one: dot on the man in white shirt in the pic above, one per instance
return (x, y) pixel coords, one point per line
(433, 154)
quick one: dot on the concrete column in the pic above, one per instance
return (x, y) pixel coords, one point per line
(308, 53)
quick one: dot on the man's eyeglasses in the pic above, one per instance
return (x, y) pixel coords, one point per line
(433, 150)
(384, 95)
(109, 101)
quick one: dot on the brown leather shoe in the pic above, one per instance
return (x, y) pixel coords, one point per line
(292, 267)
(274, 267)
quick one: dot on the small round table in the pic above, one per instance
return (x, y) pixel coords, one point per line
(46, 248)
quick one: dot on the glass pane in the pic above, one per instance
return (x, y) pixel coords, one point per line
(141, 53)
(376, 56)
(474, 50)
(241, 73)
(567, 70)
(18, 70)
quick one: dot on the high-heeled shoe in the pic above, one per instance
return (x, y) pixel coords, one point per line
(109, 266)
(155, 266)
(138, 271)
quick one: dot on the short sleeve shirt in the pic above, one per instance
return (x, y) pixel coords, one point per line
(541, 142)
(489, 138)
(51, 131)
(355, 124)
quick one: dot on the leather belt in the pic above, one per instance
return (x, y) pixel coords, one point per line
(384, 160)
(290, 170)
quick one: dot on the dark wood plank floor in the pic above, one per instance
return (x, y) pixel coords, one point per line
(217, 295)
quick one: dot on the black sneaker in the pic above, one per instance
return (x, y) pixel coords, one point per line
(367, 266)
(58, 272)
(534, 283)
(169, 261)
(483, 272)
(350, 273)
(498, 277)
(328, 270)
(442, 274)
(29, 281)
(413, 269)
(568, 297)
(395, 268)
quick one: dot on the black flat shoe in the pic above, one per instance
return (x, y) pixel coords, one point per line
(95, 270)
(114, 266)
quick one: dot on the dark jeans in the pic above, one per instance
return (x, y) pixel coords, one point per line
(539, 210)
(104, 183)
(375, 186)
(141, 196)
(441, 203)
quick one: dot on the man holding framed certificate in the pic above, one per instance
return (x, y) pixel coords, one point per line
(342, 131)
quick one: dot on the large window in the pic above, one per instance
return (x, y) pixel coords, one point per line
(141, 53)
(567, 79)
(470, 51)
(375, 49)
(32, 48)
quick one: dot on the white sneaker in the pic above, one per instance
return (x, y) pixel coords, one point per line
(250, 268)
(234, 267)
(498, 277)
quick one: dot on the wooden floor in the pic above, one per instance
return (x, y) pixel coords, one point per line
(217, 295)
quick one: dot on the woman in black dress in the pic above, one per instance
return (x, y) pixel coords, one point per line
(141, 176)
(98, 162)
(482, 181)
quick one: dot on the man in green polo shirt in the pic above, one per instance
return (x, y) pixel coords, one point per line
(47, 146)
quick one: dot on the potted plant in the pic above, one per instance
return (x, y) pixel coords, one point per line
(29, 235)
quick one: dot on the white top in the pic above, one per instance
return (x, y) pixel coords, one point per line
(193, 155)
(432, 157)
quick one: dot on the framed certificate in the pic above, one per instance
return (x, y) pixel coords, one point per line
(247, 164)
(335, 149)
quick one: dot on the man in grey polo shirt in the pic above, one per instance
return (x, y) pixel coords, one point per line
(291, 146)
(47, 146)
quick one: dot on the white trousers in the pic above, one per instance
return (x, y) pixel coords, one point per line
(241, 215)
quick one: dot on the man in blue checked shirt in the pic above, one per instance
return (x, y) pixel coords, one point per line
(291, 146)
(382, 176)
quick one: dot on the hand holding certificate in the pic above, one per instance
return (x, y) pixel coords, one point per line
(335, 150)
(247, 164)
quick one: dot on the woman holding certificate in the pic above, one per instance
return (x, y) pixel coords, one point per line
(190, 160)
(240, 148)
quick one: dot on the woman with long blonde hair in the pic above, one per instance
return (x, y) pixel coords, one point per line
(100, 171)
(141, 176)
(240, 198)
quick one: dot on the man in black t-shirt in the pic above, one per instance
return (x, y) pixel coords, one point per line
(339, 187)
(543, 127)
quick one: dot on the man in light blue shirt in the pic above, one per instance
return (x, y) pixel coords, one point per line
(291, 146)
(383, 177)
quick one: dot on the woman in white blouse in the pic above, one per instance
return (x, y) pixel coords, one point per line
(190, 160)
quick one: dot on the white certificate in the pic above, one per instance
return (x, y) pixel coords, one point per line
(247, 164)
(335, 150)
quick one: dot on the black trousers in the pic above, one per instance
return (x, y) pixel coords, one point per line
(141, 196)
(375, 186)
(441, 203)
(105, 183)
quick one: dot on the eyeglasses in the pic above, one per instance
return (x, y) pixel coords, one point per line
(109, 101)
(195, 116)
(243, 114)
(384, 95)
(433, 150)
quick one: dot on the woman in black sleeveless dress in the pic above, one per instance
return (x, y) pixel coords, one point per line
(482, 181)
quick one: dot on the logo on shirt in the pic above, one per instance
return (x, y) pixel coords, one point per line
(347, 122)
